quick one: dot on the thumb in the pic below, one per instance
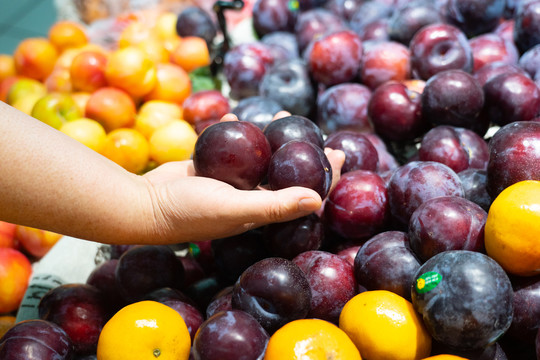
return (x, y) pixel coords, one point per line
(266, 206)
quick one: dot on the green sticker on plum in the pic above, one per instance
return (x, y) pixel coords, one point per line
(427, 282)
(293, 5)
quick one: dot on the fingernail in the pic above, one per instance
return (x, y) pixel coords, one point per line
(308, 204)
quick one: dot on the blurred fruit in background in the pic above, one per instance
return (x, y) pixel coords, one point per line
(15, 271)
(35, 58)
(87, 131)
(128, 148)
(174, 141)
(67, 34)
(36, 242)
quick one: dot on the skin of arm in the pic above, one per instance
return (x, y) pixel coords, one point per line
(52, 182)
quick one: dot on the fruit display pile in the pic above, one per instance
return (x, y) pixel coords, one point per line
(428, 245)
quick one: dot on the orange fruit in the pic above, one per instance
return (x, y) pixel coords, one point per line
(67, 34)
(445, 357)
(87, 131)
(144, 330)
(128, 148)
(310, 339)
(512, 230)
(174, 141)
(191, 53)
(154, 114)
(384, 325)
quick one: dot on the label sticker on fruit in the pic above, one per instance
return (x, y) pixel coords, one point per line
(427, 282)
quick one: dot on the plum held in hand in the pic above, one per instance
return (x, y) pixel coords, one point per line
(464, 297)
(36, 339)
(236, 152)
(274, 291)
(293, 127)
(358, 206)
(446, 223)
(386, 262)
(300, 163)
(230, 335)
(416, 182)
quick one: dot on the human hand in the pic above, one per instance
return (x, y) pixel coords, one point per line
(194, 208)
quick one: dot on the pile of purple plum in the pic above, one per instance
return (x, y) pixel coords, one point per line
(436, 104)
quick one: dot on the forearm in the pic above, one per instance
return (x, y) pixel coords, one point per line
(52, 182)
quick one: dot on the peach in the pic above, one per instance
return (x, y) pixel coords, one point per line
(87, 71)
(7, 66)
(174, 141)
(86, 131)
(131, 70)
(111, 107)
(155, 49)
(59, 81)
(191, 53)
(35, 58)
(67, 34)
(154, 114)
(165, 26)
(36, 242)
(66, 58)
(5, 85)
(15, 272)
(134, 33)
(173, 84)
(7, 235)
(128, 148)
